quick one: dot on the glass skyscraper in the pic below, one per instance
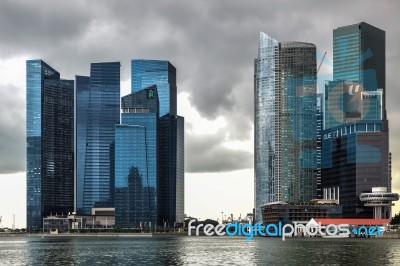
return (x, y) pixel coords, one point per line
(171, 170)
(97, 113)
(50, 143)
(285, 122)
(264, 120)
(146, 73)
(136, 160)
(170, 195)
(355, 144)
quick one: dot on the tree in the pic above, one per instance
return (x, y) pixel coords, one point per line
(395, 219)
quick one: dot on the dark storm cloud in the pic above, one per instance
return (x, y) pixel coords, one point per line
(208, 155)
(12, 130)
(211, 43)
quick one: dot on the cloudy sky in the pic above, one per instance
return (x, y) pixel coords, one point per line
(211, 43)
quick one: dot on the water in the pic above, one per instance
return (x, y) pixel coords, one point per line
(64, 250)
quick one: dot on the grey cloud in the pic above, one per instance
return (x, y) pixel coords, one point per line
(205, 154)
(12, 130)
(212, 43)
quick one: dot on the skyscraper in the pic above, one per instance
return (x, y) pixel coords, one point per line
(50, 143)
(285, 122)
(355, 144)
(264, 122)
(146, 73)
(97, 113)
(171, 170)
(170, 149)
(136, 160)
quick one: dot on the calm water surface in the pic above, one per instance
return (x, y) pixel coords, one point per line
(196, 251)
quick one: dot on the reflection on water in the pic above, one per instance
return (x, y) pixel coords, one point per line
(66, 250)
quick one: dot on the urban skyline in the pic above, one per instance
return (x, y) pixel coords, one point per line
(209, 102)
(296, 160)
(286, 131)
(131, 156)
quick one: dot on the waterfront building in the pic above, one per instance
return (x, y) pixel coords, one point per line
(355, 159)
(136, 160)
(97, 113)
(380, 200)
(289, 213)
(285, 122)
(355, 146)
(171, 170)
(50, 143)
(100, 218)
(170, 149)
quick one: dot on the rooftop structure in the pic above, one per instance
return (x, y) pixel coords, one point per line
(381, 200)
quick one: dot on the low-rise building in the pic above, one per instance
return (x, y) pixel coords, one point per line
(288, 213)
(101, 218)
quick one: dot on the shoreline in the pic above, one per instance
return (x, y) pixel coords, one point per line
(91, 235)
(390, 235)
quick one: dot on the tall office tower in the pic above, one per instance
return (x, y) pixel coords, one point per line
(355, 143)
(285, 122)
(320, 129)
(82, 92)
(264, 120)
(136, 165)
(50, 143)
(97, 113)
(170, 149)
(171, 170)
(146, 73)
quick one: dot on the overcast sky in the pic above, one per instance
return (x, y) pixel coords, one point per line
(211, 43)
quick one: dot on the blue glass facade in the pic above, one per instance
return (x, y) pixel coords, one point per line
(136, 165)
(50, 138)
(98, 111)
(82, 91)
(146, 73)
